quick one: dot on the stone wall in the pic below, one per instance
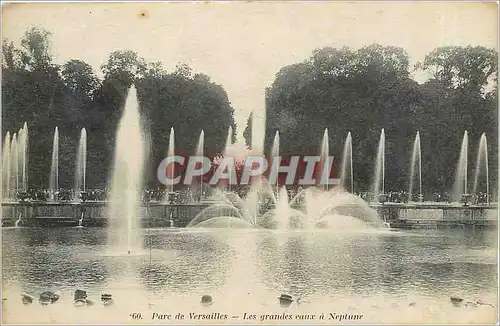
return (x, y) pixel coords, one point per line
(179, 215)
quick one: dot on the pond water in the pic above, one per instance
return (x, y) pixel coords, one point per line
(382, 275)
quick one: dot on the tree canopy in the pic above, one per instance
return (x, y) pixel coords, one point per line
(342, 89)
(71, 96)
(365, 90)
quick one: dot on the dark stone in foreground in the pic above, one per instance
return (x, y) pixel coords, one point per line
(27, 299)
(48, 297)
(206, 299)
(106, 299)
(285, 300)
(80, 295)
(456, 301)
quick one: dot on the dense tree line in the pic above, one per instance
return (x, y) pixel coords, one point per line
(361, 91)
(71, 96)
(365, 90)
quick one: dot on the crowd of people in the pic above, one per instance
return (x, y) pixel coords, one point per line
(190, 195)
(446, 197)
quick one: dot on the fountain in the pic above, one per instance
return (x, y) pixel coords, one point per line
(316, 208)
(24, 158)
(275, 160)
(482, 166)
(22, 147)
(171, 167)
(232, 211)
(171, 220)
(324, 159)
(221, 215)
(228, 153)
(126, 182)
(14, 161)
(6, 161)
(80, 220)
(346, 172)
(258, 132)
(338, 209)
(14, 165)
(18, 221)
(198, 187)
(282, 212)
(54, 168)
(81, 165)
(250, 205)
(19, 155)
(460, 185)
(379, 178)
(416, 158)
(310, 208)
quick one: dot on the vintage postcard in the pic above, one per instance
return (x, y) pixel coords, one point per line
(292, 162)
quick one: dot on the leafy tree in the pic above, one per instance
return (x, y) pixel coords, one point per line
(361, 91)
(459, 67)
(35, 52)
(459, 98)
(80, 79)
(189, 103)
(124, 66)
(30, 88)
(71, 97)
(365, 90)
(8, 55)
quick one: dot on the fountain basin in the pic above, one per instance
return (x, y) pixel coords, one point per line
(224, 222)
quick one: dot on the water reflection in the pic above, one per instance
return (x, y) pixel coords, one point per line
(169, 262)
(251, 264)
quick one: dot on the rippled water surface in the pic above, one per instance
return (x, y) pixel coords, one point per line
(386, 276)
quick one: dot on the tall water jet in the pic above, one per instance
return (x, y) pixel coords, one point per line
(18, 221)
(126, 183)
(275, 158)
(6, 160)
(282, 212)
(324, 160)
(24, 157)
(482, 167)
(346, 172)
(81, 164)
(256, 149)
(54, 168)
(416, 159)
(20, 143)
(258, 131)
(229, 140)
(227, 153)
(460, 185)
(198, 186)
(379, 178)
(171, 167)
(14, 156)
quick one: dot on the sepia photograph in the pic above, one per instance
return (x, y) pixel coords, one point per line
(249, 162)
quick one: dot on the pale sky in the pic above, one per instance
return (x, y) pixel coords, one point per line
(241, 45)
